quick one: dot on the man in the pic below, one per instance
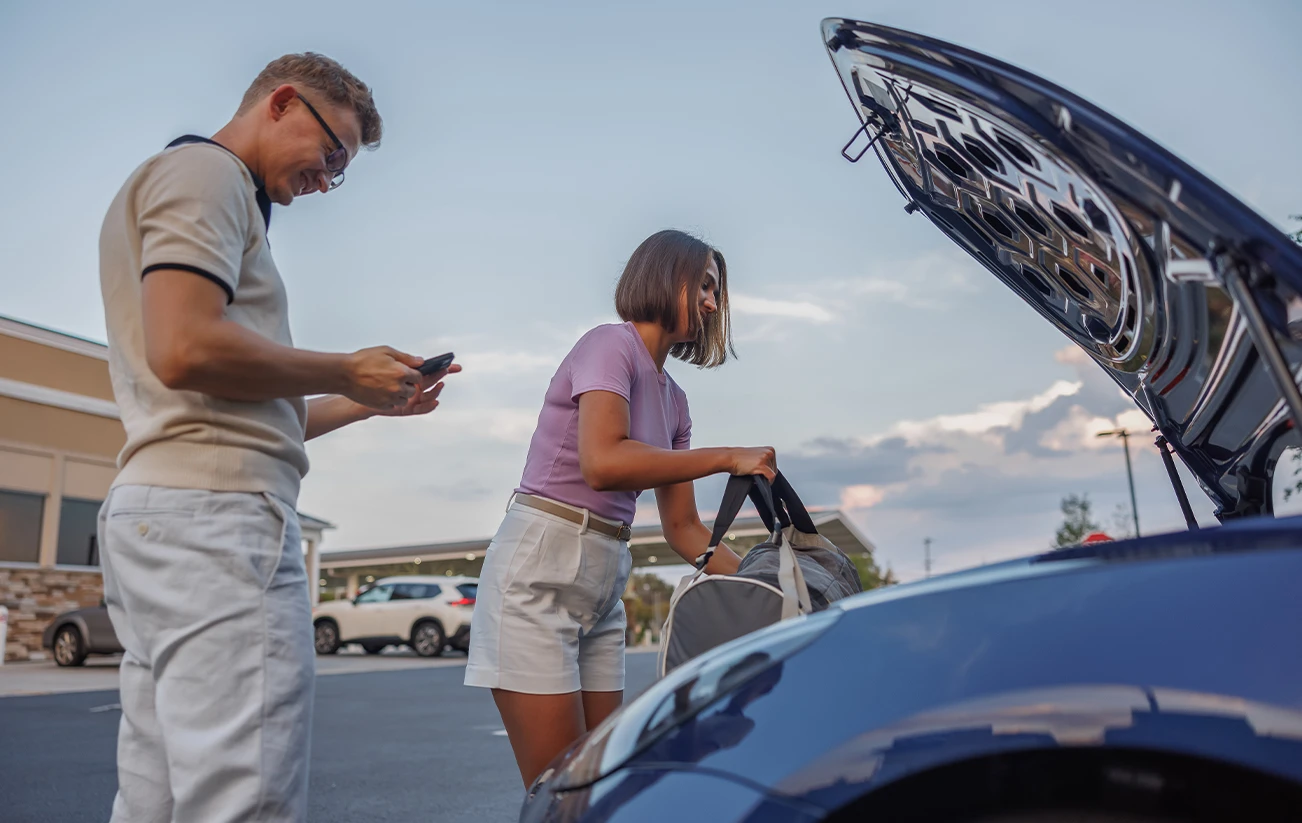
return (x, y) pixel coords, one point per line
(203, 572)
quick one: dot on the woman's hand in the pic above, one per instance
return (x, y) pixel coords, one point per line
(755, 460)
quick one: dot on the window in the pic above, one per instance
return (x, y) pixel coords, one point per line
(379, 594)
(432, 591)
(406, 591)
(78, 523)
(414, 591)
(468, 590)
(21, 514)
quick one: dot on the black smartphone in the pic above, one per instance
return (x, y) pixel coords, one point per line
(435, 364)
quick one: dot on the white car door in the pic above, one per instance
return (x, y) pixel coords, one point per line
(405, 607)
(366, 616)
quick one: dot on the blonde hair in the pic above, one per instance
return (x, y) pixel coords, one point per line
(667, 263)
(334, 83)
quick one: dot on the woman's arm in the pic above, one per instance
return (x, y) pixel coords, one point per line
(685, 532)
(611, 461)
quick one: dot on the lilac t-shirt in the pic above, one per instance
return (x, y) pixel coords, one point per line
(609, 358)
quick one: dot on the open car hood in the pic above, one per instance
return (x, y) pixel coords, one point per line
(1178, 290)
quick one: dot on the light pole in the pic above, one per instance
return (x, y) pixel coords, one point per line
(926, 557)
(1130, 474)
(655, 608)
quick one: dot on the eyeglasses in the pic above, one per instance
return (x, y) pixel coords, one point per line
(335, 160)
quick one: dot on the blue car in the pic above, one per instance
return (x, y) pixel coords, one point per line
(1153, 679)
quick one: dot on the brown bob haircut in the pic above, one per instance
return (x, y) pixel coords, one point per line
(650, 289)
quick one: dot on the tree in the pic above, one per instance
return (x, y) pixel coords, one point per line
(1297, 235)
(1077, 521)
(870, 574)
(646, 602)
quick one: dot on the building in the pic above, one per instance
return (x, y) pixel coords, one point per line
(344, 572)
(60, 434)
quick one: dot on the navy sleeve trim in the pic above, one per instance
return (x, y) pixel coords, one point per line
(226, 287)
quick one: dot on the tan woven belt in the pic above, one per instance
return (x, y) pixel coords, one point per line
(619, 531)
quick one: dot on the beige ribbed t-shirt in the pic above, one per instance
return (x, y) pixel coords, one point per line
(194, 207)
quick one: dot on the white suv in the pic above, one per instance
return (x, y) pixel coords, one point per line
(426, 613)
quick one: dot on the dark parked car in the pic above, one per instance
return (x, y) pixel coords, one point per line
(1149, 679)
(73, 635)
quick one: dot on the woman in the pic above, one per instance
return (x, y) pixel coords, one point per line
(548, 629)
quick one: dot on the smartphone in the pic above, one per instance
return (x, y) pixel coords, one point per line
(435, 364)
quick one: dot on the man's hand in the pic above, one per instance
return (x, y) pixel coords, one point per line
(326, 414)
(382, 379)
(427, 399)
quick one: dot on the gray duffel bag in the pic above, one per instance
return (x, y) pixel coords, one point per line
(795, 572)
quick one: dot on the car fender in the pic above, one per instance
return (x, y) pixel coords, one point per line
(1259, 736)
(428, 617)
(68, 619)
(334, 616)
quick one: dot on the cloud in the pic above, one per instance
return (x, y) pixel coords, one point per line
(504, 425)
(862, 496)
(988, 417)
(745, 304)
(933, 280)
(986, 484)
(509, 362)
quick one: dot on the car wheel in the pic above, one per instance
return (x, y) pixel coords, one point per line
(428, 639)
(326, 638)
(69, 648)
(373, 648)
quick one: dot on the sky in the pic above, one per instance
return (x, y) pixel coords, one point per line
(530, 147)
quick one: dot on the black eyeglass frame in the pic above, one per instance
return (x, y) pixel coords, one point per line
(338, 157)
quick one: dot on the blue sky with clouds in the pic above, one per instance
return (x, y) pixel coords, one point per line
(530, 147)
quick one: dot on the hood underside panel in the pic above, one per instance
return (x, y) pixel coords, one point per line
(1111, 238)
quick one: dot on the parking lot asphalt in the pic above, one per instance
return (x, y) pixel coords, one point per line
(100, 673)
(397, 738)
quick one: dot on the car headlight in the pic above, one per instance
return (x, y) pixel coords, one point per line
(681, 694)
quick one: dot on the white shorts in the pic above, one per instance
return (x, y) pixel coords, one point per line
(548, 616)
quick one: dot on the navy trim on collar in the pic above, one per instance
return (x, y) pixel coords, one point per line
(264, 202)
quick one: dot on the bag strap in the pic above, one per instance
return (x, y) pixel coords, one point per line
(740, 486)
(793, 508)
(791, 580)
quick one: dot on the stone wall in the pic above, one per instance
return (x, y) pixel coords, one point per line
(37, 596)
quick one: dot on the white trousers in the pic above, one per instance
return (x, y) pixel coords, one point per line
(207, 592)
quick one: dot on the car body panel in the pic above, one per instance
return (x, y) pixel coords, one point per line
(95, 627)
(644, 793)
(1115, 241)
(1186, 651)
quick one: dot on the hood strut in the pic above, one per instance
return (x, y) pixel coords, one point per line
(1164, 449)
(1232, 268)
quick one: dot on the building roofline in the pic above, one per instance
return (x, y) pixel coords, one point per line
(851, 527)
(459, 549)
(59, 399)
(31, 332)
(314, 522)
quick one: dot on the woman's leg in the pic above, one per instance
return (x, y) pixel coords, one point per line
(597, 706)
(540, 726)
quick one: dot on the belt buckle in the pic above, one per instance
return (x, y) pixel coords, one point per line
(625, 533)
